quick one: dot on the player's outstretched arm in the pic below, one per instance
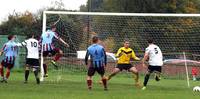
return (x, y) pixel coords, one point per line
(19, 44)
(105, 57)
(1, 52)
(119, 53)
(145, 59)
(86, 58)
(61, 40)
(134, 56)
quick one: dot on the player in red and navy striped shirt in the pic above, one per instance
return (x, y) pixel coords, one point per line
(10, 52)
(48, 47)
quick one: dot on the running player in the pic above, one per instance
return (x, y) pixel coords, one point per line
(10, 52)
(155, 60)
(125, 54)
(49, 49)
(32, 59)
(97, 62)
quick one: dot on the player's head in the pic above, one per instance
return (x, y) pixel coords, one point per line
(32, 35)
(53, 28)
(95, 39)
(150, 41)
(11, 37)
(126, 43)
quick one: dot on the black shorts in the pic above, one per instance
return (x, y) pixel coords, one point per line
(33, 62)
(51, 53)
(154, 68)
(7, 65)
(124, 66)
(93, 69)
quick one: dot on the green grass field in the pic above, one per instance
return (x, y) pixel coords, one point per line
(73, 86)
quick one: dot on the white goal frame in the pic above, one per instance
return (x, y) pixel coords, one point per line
(111, 14)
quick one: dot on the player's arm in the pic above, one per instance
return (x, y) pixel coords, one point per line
(119, 53)
(105, 57)
(86, 57)
(61, 40)
(2, 50)
(22, 44)
(19, 44)
(134, 56)
(146, 57)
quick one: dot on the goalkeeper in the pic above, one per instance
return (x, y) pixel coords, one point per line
(125, 54)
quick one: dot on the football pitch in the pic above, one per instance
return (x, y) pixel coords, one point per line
(73, 86)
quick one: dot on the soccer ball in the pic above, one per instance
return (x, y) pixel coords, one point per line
(196, 89)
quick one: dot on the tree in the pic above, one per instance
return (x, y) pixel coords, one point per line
(21, 24)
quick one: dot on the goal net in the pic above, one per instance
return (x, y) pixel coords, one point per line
(173, 33)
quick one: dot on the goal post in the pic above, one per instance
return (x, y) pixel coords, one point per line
(173, 33)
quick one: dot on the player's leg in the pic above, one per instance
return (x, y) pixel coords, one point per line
(146, 78)
(8, 68)
(101, 71)
(27, 68)
(90, 73)
(45, 67)
(2, 72)
(36, 64)
(36, 71)
(57, 53)
(157, 76)
(115, 71)
(45, 70)
(135, 72)
(158, 70)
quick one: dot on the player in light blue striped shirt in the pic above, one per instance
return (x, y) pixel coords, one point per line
(10, 52)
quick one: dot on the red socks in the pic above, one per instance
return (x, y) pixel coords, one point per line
(89, 83)
(1, 72)
(7, 74)
(104, 82)
(57, 57)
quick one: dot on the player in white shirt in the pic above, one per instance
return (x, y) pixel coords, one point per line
(155, 62)
(32, 59)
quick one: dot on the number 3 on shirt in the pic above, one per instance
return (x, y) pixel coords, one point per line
(156, 50)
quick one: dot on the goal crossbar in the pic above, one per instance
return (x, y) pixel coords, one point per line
(123, 14)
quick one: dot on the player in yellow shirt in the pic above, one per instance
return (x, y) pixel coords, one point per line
(124, 54)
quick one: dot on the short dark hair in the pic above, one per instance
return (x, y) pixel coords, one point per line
(10, 37)
(31, 35)
(53, 26)
(150, 40)
(95, 39)
(126, 40)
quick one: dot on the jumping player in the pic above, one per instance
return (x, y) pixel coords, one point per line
(125, 54)
(32, 59)
(155, 60)
(97, 62)
(10, 52)
(49, 49)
